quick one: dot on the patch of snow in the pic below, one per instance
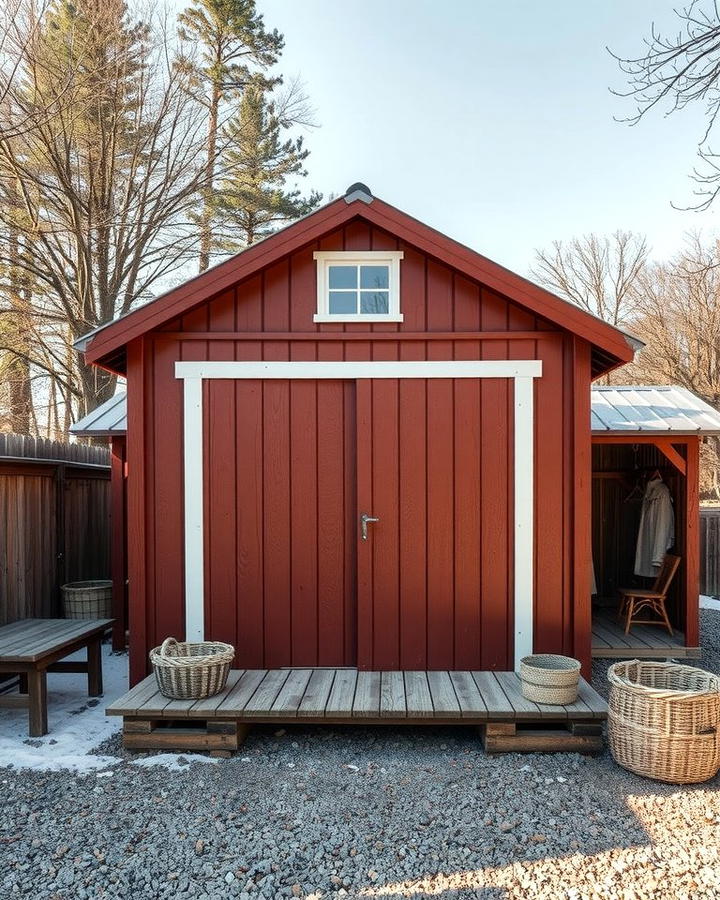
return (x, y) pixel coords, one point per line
(76, 722)
(175, 762)
(709, 602)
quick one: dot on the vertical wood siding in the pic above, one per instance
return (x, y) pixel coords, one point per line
(55, 530)
(284, 461)
(710, 551)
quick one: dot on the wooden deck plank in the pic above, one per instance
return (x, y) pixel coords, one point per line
(494, 698)
(392, 695)
(418, 701)
(291, 693)
(525, 709)
(468, 695)
(182, 708)
(444, 700)
(592, 700)
(262, 700)
(342, 694)
(346, 695)
(367, 695)
(609, 640)
(613, 637)
(129, 703)
(317, 693)
(237, 697)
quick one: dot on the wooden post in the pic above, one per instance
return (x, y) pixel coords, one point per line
(118, 562)
(94, 667)
(61, 569)
(692, 543)
(136, 443)
(37, 687)
(582, 507)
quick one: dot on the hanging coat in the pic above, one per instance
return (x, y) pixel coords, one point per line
(657, 528)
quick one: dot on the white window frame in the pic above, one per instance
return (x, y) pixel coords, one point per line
(326, 258)
(521, 372)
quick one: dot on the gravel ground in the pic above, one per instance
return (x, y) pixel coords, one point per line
(361, 813)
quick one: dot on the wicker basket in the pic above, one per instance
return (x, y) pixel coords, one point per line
(663, 720)
(550, 679)
(87, 599)
(186, 671)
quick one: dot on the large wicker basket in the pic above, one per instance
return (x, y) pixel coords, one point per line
(551, 679)
(87, 599)
(191, 671)
(663, 720)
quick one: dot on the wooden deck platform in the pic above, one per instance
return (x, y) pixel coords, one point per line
(644, 641)
(492, 700)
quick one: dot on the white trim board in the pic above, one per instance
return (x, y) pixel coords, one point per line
(488, 368)
(521, 371)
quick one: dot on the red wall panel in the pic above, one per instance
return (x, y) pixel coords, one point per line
(282, 474)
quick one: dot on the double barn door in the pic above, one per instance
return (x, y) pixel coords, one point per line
(368, 525)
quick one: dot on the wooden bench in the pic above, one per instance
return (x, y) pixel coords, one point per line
(31, 648)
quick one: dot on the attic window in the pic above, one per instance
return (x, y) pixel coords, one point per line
(358, 286)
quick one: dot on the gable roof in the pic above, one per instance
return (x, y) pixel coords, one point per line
(616, 409)
(105, 346)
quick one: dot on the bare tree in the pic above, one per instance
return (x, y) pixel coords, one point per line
(596, 273)
(105, 184)
(679, 70)
(678, 316)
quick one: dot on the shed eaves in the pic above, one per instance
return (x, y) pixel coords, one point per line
(623, 409)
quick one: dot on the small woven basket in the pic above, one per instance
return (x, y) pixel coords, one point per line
(664, 719)
(547, 678)
(191, 671)
(87, 599)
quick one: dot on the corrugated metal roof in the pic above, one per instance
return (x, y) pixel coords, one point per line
(624, 409)
(665, 409)
(108, 419)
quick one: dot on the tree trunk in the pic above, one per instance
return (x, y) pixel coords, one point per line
(206, 217)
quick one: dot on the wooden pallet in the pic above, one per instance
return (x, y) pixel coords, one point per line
(535, 737)
(221, 737)
(345, 697)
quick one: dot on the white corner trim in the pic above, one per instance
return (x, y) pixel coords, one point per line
(521, 371)
(465, 368)
(194, 528)
(524, 517)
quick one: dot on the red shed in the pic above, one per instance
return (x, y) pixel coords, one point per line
(360, 443)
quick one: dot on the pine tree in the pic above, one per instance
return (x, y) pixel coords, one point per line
(234, 45)
(253, 198)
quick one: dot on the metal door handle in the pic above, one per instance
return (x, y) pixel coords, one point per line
(364, 519)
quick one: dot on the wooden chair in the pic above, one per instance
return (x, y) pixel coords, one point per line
(635, 600)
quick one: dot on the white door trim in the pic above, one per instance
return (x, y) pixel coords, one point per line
(521, 371)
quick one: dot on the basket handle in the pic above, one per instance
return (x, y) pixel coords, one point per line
(166, 645)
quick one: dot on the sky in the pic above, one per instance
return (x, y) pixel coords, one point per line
(493, 121)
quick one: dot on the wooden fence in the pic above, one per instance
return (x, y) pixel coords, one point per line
(54, 521)
(710, 551)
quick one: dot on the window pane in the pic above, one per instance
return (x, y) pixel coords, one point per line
(374, 302)
(343, 302)
(343, 277)
(374, 276)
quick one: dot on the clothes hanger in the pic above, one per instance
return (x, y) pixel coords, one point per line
(638, 491)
